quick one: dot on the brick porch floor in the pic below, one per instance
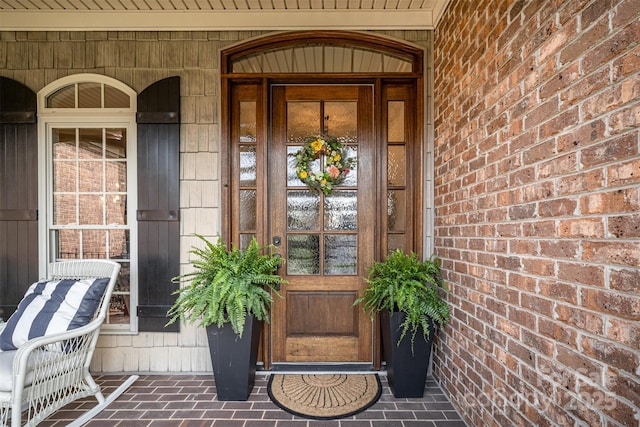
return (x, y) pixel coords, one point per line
(189, 401)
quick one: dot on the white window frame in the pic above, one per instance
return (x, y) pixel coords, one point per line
(51, 118)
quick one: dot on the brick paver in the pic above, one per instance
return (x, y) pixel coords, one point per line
(189, 401)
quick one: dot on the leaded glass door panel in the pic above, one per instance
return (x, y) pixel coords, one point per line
(326, 238)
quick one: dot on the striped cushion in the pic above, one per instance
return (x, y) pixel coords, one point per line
(52, 307)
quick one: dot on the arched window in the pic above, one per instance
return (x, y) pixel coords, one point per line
(87, 177)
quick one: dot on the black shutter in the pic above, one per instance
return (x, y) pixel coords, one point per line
(18, 193)
(158, 203)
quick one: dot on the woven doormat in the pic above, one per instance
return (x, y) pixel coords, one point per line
(324, 396)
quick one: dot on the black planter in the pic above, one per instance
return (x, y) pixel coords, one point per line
(406, 370)
(234, 359)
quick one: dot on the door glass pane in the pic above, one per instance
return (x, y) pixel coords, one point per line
(340, 120)
(89, 95)
(303, 254)
(247, 121)
(303, 210)
(352, 177)
(396, 210)
(340, 254)
(395, 241)
(292, 175)
(245, 240)
(247, 210)
(395, 122)
(247, 165)
(303, 120)
(340, 210)
(396, 165)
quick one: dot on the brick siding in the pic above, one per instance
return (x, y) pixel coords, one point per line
(537, 173)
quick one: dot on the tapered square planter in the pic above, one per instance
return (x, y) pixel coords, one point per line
(406, 370)
(234, 359)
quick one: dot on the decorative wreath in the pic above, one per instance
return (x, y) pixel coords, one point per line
(336, 164)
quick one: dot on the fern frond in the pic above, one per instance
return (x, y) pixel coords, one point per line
(405, 283)
(227, 285)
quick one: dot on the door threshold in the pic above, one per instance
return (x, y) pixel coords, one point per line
(325, 368)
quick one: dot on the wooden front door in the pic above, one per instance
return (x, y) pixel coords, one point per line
(327, 241)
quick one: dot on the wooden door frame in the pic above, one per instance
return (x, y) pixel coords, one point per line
(260, 84)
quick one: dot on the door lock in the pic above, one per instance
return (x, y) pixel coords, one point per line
(276, 241)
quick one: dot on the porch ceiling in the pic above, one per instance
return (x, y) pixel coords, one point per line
(166, 15)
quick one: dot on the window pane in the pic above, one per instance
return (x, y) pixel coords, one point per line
(64, 209)
(340, 254)
(396, 65)
(90, 144)
(119, 309)
(324, 58)
(67, 244)
(91, 176)
(340, 210)
(89, 95)
(64, 143)
(303, 254)
(396, 210)
(63, 98)
(64, 176)
(247, 210)
(116, 209)
(396, 166)
(247, 165)
(395, 123)
(303, 210)
(94, 244)
(366, 61)
(116, 174)
(91, 209)
(119, 306)
(116, 144)
(119, 244)
(115, 98)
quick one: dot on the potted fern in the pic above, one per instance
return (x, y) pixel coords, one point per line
(229, 292)
(406, 291)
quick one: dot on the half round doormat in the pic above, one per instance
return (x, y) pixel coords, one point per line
(324, 396)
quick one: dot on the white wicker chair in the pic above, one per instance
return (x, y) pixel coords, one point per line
(46, 378)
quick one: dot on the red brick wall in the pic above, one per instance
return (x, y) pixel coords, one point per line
(537, 166)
